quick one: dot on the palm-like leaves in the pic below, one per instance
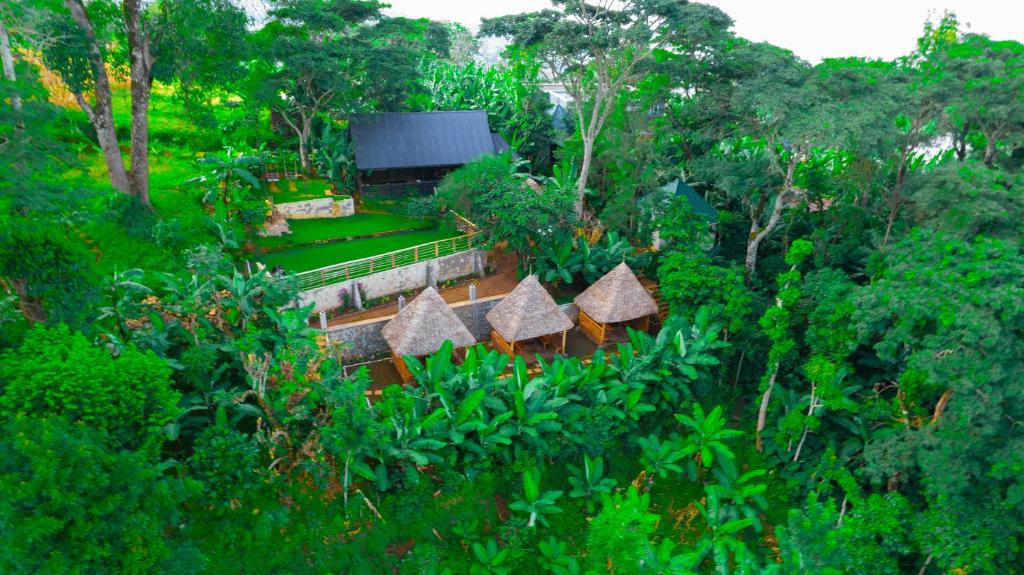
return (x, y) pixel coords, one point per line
(707, 439)
(534, 502)
(742, 497)
(334, 156)
(589, 480)
(660, 457)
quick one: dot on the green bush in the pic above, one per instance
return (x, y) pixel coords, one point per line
(56, 372)
(71, 504)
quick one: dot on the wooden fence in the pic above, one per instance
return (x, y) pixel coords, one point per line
(346, 271)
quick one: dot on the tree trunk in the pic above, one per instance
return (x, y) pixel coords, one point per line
(960, 145)
(888, 224)
(141, 63)
(896, 200)
(807, 428)
(101, 113)
(756, 235)
(8, 64)
(762, 412)
(31, 308)
(304, 135)
(750, 261)
(581, 183)
(990, 149)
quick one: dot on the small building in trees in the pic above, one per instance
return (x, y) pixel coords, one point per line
(612, 303)
(396, 153)
(421, 328)
(528, 319)
(699, 207)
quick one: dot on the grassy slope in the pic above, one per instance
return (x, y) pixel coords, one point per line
(318, 256)
(311, 231)
(168, 170)
(175, 144)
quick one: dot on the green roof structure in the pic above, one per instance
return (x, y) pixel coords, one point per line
(698, 204)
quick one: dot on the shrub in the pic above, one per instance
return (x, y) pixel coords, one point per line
(56, 372)
(71, 504)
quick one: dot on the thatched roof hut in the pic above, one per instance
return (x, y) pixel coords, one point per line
(615, 298)
(527, 312)
(424, 325)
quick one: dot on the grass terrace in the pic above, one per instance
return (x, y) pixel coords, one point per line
(355, 227)
(315, 256)
(305, 189)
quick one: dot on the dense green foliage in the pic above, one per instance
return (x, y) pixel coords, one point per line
(57, 373)
(835, 385)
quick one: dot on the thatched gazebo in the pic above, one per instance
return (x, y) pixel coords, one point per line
(616, 299)
(422, 327)
(528, 313)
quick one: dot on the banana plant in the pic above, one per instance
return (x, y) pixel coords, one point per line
(334, 157)
(707, 440)
(660, 457)
(535, 405)
(722, 541)
(589, 480)
(534, 502)
(669, 364)
(490, 559)
(408, 439)
(557, 264)
(743, 497)
(555, 558)
(225, 173)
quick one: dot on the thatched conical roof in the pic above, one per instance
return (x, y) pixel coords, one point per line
(528, 312)
(424, 325)
(617, 296)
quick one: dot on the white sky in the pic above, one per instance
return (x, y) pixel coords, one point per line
(811, 29)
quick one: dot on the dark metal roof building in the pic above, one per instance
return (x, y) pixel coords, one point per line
(422, 139)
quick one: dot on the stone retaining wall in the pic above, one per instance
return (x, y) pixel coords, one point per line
(413, 276)
(318, 208)
(363, 339)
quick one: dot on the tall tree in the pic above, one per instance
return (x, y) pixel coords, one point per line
(987, 96)
(598, 50)
(90, 37)
(206, 60)
(778, 118)
(318, 60)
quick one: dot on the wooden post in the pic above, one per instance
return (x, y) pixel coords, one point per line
(565, 331)
(323, 281)
(454, 249)
(415, 254)
(393, 266)
(371, 265)
(437, 249)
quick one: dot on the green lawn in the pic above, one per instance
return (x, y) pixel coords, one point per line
(312, 257)
(312, 231)
(305, 189)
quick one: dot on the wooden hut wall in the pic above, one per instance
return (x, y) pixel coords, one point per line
(594, 330)
(502, 345)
